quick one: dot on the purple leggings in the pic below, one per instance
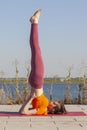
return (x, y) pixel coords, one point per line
(37, 67)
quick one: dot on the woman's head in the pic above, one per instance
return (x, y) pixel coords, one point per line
(56, 108)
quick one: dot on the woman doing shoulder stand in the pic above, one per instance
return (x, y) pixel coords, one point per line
(40, 103)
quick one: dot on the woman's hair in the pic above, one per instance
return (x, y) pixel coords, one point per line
(58, 110)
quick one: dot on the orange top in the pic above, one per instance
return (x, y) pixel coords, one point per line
(40, 103)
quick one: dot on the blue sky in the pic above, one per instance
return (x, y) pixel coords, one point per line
(62, 30)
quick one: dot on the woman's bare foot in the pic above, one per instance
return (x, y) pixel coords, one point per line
(35, 17)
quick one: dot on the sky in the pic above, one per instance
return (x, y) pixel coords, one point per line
(62, 34)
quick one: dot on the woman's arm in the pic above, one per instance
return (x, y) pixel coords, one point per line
(29, 112)
(28, 102)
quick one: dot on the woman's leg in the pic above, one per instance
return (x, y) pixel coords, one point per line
(37, 68)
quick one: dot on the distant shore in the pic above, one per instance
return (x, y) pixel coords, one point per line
(49, 80)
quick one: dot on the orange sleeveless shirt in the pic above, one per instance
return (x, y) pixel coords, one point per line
(40, 104)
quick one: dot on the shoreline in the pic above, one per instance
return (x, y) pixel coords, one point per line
(48, 80)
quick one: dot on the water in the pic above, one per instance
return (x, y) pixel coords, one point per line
(58, 91)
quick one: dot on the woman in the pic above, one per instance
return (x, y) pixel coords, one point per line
(40, 104)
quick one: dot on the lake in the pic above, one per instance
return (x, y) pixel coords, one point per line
(58, 91)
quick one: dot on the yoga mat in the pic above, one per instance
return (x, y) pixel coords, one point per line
(4, 113)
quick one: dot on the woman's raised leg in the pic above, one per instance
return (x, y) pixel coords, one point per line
(37, 67)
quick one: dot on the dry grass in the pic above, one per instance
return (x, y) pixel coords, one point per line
(8, 99)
